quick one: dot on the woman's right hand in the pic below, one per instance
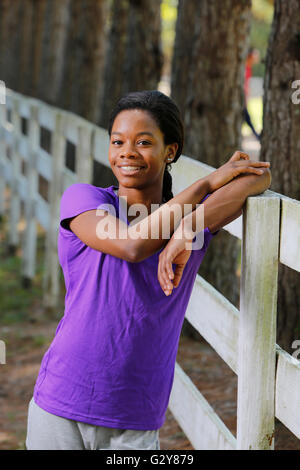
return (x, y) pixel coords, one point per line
(238, 164)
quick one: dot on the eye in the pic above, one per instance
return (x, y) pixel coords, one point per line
(145, 142)
(116, 141)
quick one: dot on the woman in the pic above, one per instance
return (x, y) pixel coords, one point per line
(105, 381)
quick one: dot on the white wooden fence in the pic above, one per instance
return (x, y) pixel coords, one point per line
(268, 377)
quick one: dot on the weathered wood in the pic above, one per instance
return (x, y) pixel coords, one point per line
(2, 156)
(257, 324)
(15, 203)
(216, 319)
(196, 417)
(51, 268)
(287, 391)
(290, 233)
(31, 174)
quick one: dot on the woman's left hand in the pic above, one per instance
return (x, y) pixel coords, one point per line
(176, 251)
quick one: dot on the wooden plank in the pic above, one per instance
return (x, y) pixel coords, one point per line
(287, 401)
(2, 156)
(15, 202)
(186, 172)
(257, 324)
(84, 159)
(100, 145)
(204, 429)
(42, 212)
(51, 271)
(216, 319)
(30, 234)
(290, 233)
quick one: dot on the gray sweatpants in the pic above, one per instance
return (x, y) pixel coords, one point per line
(46, 431)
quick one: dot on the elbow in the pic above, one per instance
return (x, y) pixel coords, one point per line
(259, 184)
(133, 254)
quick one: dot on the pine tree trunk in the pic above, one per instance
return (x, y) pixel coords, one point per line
(83, 75)
(183, 49)
(143, 56)
(10, 42)
(114, 60)
(212, 101)
(53, 49)
(91, 73)
(281, 144)
(134, 56)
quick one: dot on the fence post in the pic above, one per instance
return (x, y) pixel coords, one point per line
(84, 159)
(257, 324)
(2, 158)
(15, 201)
(52, 268)
(30, 233)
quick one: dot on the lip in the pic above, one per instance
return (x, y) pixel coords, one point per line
(139, 166)
(131, 172)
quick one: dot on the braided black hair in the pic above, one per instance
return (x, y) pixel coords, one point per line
(167, 116)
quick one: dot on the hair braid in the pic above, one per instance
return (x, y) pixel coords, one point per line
(167, 193)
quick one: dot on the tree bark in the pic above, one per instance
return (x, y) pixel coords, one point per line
(143, 56)
(114, 60)
(281, 144)
(212, 102)
(53, 49)
(10, 42)
(183, 50)
(134, 56)
(82, 78)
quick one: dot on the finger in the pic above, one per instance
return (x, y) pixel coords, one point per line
(178, 274)
(250, 169)
(252, 163)
(166, 284)
(239, 155)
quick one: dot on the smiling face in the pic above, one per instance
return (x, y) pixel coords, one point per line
(137, 153)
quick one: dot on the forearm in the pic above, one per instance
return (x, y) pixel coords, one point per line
(226, 203)
(154, 231)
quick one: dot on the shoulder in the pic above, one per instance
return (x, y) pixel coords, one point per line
(80, 192)
(81, 197)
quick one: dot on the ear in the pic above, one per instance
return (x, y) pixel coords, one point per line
(171, 152)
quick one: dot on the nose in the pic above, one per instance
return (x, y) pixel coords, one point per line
(128, 150)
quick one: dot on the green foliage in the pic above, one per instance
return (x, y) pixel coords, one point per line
(15, 300)
(262, 15)
(168, 16)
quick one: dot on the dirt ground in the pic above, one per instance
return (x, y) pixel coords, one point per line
(27, 342)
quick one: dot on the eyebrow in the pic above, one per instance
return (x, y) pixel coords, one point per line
(139, 133)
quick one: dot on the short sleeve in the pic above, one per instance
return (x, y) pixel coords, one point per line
(211, 234)
(81, 197)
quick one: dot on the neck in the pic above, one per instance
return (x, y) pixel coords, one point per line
(137, 196)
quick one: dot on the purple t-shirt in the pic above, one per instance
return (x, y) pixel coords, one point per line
(111, 362)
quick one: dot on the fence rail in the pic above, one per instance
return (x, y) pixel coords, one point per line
(268, 377)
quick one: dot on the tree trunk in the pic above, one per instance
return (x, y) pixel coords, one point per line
(10, 42)
(143, 56)
(281, 144)
(183, 49)
(53, 49)
(212, 103)
(114, 60)
(134, 56)
(82, 78)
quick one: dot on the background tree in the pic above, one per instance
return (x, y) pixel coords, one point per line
(83, 66)
(212, 106)
(134, 56)
(183, 50)
(281, 144)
